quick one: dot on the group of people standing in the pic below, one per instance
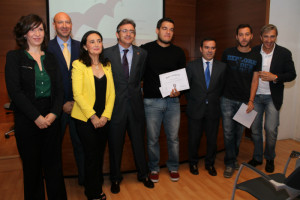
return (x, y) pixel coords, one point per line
(97, 92)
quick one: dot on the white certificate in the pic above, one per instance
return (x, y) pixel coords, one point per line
(174, 79)
(243, 117)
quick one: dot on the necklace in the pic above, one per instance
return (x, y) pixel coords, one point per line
(96, 65)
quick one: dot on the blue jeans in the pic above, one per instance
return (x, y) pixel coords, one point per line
(264, 104)
(233, 131)
(166, 111)
(76, 143)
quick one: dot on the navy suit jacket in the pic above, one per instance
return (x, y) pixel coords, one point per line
(199, 93)
(55, 49)
(283, 66)
(128, 91)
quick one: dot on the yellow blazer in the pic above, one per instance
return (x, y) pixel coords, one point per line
(83, 84)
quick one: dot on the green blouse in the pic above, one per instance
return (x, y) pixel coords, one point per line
(42, 79)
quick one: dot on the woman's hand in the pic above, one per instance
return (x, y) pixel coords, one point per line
(95, 121)
(50, 118)
(103, 121)
(41, 122)
(98, 122)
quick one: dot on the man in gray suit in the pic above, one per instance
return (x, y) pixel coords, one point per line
(127, 63)
(206, 78)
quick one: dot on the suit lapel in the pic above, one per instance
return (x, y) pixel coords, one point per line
(214, 75)
(72, 52)
(202, 75)
(135, 58)
(274, 59)
(117, 59)
(91, 77)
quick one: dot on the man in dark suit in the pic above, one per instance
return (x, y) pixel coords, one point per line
(127, 63)
(277, 68)
(206, 78)
(65, 56)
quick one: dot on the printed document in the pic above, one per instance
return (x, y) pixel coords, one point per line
(171, 80)
(243, 117)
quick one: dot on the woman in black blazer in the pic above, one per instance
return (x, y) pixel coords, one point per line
(34, 85)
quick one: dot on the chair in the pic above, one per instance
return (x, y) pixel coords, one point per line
(7, 107)
(274, 186)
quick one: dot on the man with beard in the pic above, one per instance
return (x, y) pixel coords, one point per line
(163, 57)
(66, 50)
(241, 84)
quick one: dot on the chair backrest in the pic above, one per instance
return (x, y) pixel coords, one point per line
(297, 163)
(293, 180)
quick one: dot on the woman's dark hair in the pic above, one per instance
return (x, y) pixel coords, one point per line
(84, 56)
(24, 25)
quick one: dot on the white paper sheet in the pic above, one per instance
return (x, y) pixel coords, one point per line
(175, 79)
(243, 117)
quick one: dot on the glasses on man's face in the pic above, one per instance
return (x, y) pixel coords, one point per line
(126, 31)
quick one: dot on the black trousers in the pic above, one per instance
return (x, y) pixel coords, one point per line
(40, 152)
(196, 127)
(93, 142)
(136, 132)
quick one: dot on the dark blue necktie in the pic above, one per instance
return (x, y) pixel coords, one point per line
(207, 74)
(125, 63)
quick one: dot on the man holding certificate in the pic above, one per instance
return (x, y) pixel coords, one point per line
(206, 78)
(163, 57)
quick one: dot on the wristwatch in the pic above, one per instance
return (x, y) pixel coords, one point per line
(275, 80)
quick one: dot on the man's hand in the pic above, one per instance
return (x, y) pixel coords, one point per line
(174, 93)
(68, 106)
(250, 106)
(267, 76)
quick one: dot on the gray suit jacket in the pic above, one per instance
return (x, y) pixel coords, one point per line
(128, 91)
(198, 93)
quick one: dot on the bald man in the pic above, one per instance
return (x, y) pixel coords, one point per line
(63, 44)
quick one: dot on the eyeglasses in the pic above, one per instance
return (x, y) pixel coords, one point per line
(126, 31)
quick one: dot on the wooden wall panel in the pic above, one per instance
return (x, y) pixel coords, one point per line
(10, 13)
(220, 18)
(183, 13)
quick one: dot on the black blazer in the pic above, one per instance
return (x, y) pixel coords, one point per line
(20, 83)
(283, 66)
(198, 93)
(128, 92)
(55, 49)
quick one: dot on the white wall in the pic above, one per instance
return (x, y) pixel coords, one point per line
(285, 14)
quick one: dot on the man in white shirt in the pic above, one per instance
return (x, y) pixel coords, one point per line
(206, 78)
(277, 68)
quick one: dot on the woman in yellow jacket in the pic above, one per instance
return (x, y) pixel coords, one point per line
(94, 95)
